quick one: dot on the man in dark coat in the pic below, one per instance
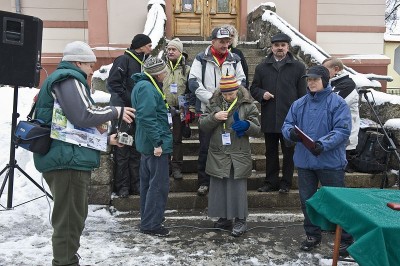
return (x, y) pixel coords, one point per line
(120, 85)
(276, 85)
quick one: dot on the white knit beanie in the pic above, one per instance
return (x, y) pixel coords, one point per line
(177, 44)
(78, 52)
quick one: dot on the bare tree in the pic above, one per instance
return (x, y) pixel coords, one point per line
(391, 17)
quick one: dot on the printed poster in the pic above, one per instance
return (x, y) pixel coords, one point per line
(90, 137)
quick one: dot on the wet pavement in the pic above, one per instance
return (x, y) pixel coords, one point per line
(272, 238)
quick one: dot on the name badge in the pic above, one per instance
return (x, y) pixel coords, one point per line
(169, 118)
(173, 88)
(226, 139)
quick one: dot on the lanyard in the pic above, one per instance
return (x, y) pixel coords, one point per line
(158, 89)
(216, 61)
(134, 56)
(230, 108)
(177, 63)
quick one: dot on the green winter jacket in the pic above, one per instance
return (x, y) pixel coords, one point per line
(62, 155)
(221, 158)
(178, 76)
(152, 128)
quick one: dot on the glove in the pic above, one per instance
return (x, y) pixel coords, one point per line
(189, 117)
(240, 133)
(293, 136)
(318, 148)
(239, 125)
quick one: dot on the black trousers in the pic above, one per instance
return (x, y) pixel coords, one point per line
(126, 162)
(203, 178)
(177, 152)
(272, 168)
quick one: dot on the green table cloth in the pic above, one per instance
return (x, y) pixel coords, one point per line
(362, 213)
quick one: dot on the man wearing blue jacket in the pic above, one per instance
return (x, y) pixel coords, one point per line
(325, 117)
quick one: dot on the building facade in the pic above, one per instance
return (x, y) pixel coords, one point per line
(345, 28)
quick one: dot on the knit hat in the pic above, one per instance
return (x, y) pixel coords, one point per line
(281, 37)
(78, 52)
(140, 40)
(220, 33)
(154, 66)
(228, 84)
(319, 72)
(177, 44)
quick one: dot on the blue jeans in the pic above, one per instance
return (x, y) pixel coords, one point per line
(154, 187)
(308, 185)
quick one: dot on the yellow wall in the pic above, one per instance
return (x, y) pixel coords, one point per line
(389, 51)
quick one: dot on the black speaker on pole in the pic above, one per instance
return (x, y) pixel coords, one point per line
(20, 49)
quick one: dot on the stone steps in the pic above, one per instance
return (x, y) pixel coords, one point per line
(183, 193)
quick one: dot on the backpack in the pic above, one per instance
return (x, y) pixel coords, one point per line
(371, 153)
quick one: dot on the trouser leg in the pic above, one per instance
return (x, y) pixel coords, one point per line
(203, 178)
(177, 152)
(287, 164)
(308, 184)
(154, 190)
(70, 195)
(272, 159)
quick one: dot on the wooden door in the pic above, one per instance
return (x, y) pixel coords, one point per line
(195, 19)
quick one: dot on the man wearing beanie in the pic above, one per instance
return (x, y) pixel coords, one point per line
(277, 83)
(175, 88)
(206, 71)
(325, 117)
(120, 84)
(67, 167)
(154, 141)
(230, 118)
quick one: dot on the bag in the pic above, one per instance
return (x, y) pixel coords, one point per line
(33, 136)
(371, 153)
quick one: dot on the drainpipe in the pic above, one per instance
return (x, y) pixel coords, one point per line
(18, 6)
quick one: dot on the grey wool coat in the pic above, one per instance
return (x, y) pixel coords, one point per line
(221, 158)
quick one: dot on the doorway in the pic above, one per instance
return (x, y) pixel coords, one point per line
(195, 19)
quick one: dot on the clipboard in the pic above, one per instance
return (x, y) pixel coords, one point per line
(305, 139)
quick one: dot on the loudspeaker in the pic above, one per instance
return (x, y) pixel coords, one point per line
(20, 49)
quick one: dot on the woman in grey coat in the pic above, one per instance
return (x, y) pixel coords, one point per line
(230, 117)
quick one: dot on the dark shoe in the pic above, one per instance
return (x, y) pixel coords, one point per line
(239, 228)
(343, 249)
(202, 190)
(162, 232)
(123, 192)
(223, 223)
(284, 190)
(177, 174)
(310, 243)
(349, 169)
(266, 188)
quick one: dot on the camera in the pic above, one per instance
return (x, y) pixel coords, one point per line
(125, 138)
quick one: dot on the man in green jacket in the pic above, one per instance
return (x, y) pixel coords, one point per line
(175, 88)
(154, 141)
(67, 167)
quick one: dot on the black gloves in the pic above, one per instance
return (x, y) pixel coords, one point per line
(318, 148)
(293, 136)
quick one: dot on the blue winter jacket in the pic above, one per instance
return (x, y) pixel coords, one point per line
(325, 117)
